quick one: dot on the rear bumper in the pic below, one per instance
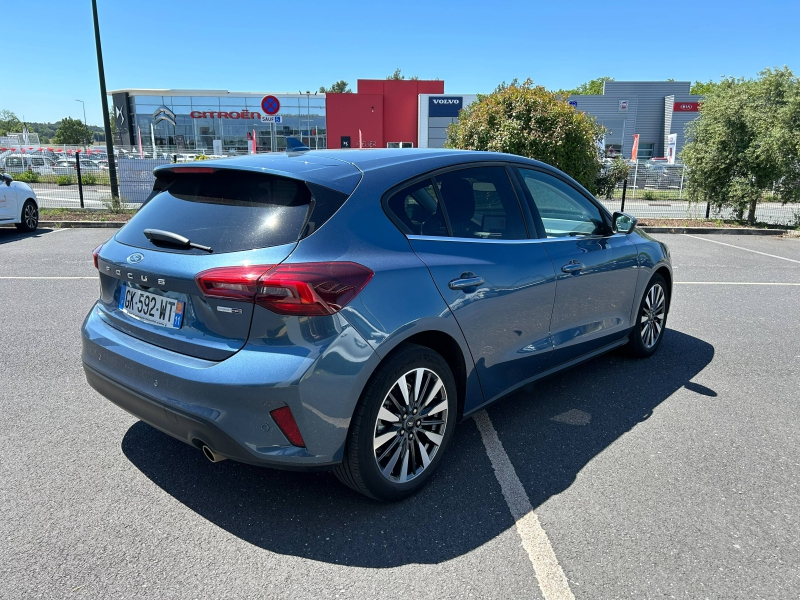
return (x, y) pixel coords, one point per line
(226, 405)
(183, 426)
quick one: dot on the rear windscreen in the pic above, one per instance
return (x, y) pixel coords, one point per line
(230, 210)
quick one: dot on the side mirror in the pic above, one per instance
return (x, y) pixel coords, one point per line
(623, 222)
(7, 179)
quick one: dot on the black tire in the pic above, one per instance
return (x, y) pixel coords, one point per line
(643, 341)
(29, 218)
(360, 468)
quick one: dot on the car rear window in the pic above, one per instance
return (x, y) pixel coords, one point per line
(231, 210)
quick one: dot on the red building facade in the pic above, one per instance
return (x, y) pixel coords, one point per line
(357, 120)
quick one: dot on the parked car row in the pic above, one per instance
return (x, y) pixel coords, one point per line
(41, 165)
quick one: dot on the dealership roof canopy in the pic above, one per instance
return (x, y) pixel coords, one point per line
(166, 92)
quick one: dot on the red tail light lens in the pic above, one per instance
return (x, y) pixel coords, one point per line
(310, 289)
(95, 255)
(288, 426)
(304, 289)
(231, 283)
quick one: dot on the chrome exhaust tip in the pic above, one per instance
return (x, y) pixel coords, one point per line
(211, 455)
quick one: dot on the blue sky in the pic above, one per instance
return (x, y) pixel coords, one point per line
(472, 46)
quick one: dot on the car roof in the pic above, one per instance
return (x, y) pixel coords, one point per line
(343, 169)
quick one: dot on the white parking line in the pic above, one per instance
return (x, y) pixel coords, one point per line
(549, 574)
(740, 248)
(95, 277)
(732, 283)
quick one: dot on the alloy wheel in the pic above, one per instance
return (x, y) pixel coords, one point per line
(653, 313)
(31, 216)
(410, 426)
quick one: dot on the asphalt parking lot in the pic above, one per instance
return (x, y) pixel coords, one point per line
(674, 477)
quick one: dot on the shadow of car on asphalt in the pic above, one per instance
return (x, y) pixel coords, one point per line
(551, 429)
(11, 234)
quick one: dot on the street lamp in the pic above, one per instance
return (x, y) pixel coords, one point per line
(84, 112)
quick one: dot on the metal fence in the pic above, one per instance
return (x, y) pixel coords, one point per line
(654, 189)
(657, 190)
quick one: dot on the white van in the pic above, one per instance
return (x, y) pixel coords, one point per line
(18, 163)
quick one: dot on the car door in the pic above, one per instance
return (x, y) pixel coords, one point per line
(467, 226)
(8, 201)
(596, 270)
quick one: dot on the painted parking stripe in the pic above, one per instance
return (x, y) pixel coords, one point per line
(740, 248)
(549, 574)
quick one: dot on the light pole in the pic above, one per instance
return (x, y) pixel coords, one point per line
(84, 112)
(112, 167)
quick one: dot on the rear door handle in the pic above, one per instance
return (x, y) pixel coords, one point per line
(466, 280)
(573, 267)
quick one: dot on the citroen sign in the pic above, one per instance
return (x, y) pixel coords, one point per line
(164, 114)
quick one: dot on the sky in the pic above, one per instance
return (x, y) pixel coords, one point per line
(472, 45)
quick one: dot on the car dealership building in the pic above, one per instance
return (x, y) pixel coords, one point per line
(381, 113)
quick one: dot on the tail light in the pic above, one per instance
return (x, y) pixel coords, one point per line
(231, 283)
(284, 418)
(95, 255)
(304, 289)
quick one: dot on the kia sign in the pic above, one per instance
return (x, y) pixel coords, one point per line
(686, 107)
(444, 106)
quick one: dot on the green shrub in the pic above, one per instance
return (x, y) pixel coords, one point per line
(649, 195)
(526, 119)
(610, 177)
(65, 180)
(115, 205)
(88, 179)
(26, 176)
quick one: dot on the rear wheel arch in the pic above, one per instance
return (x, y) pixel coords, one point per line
(450, 350)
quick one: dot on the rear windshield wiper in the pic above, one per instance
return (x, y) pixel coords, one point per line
(167, 237)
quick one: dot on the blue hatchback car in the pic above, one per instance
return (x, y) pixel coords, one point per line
(344, 309)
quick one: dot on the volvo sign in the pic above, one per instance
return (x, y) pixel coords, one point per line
(444, 106)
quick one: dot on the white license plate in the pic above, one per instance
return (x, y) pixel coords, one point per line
(160, 310)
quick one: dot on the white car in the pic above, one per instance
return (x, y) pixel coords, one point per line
(18, 204)
(67, 167)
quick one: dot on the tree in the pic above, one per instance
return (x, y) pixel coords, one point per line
(398, 75)
(703, 88)
(73, 132)
(340, 87)
(9, 123)
(746, 142)
(593, 87)
(528, 120)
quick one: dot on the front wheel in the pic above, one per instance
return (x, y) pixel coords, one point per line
(29, 217)
(651, 319)
(401, 426)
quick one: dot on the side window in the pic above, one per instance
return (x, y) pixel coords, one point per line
(564, 211)
(480, 203)
(417, 207)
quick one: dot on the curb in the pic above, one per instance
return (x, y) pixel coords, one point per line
(717, 230)
(82, 224)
